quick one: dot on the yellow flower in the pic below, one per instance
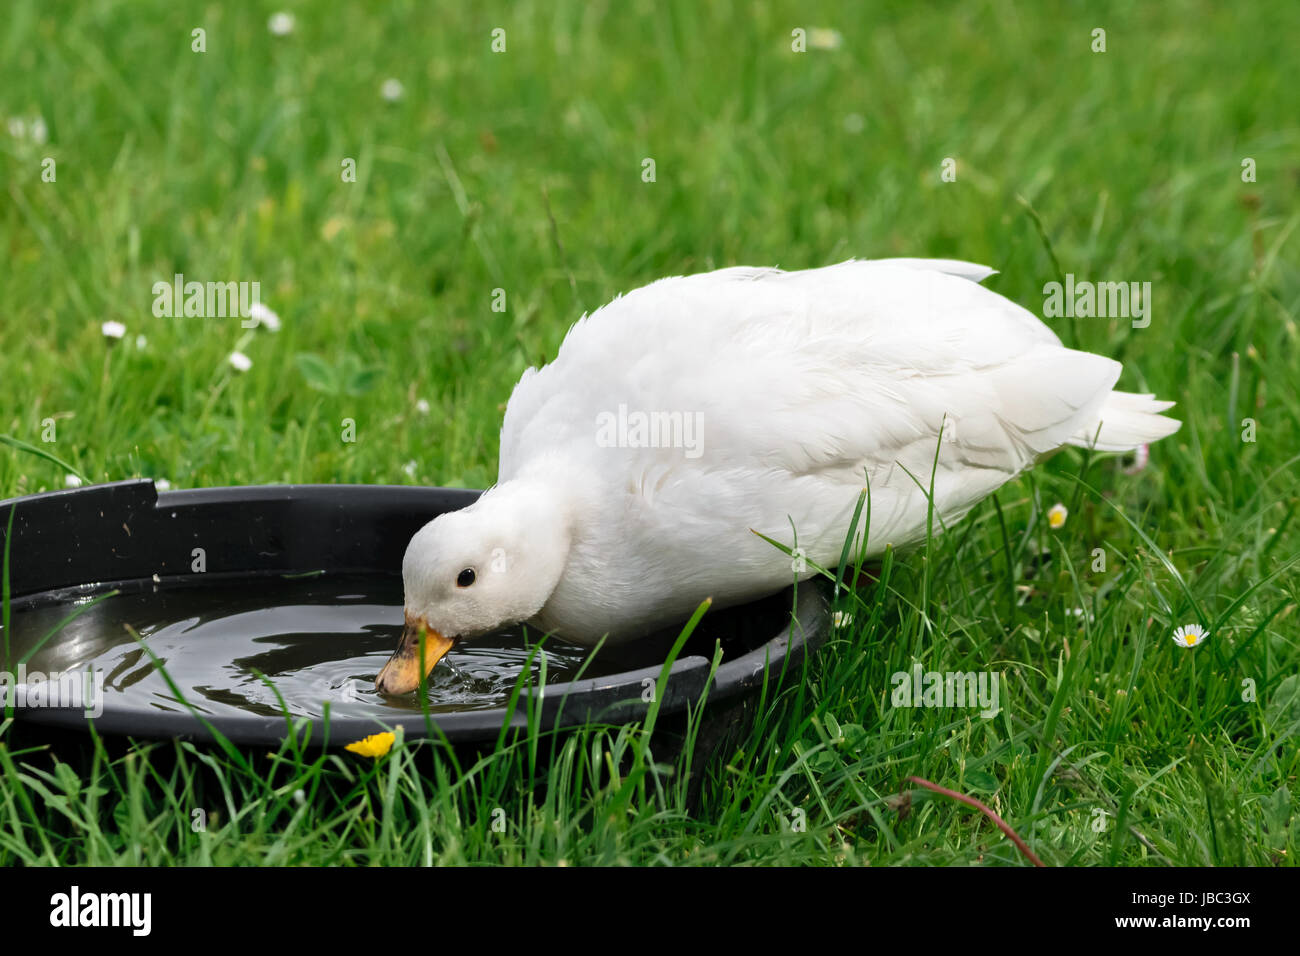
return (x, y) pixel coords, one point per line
(1189, 635)
(376, 745)
(1056, 516)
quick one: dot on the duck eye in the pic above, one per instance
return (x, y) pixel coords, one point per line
(465, 578)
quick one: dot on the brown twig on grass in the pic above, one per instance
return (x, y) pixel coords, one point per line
(972, 802)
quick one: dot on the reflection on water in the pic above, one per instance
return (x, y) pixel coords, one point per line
(316, 640)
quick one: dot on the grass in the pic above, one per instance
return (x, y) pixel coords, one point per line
(522, 172)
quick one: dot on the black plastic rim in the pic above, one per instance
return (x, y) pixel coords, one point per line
(127, 532)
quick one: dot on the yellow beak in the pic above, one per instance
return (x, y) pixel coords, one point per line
(405, 669)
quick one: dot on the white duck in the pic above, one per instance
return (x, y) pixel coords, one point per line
(792, 391)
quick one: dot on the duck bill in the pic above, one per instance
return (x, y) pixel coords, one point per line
(405, 669)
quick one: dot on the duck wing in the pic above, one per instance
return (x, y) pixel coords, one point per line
(808, 386)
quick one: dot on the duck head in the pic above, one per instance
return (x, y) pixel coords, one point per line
(470, 572)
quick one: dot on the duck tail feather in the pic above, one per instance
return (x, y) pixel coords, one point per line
(1127, 421)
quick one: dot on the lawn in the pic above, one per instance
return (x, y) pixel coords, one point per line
(422, 248)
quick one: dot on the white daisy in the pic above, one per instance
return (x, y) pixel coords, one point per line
(113, 330)
(72, 481)
(422, 406)
(409, 468)
(1189, 635)
(1141, 455)
(1056, 516)
(280, 24)
(162, 484)
(33, 130)
(141, 342)
(240, 361)
(262, 315)
(841, 619)
(392, 90)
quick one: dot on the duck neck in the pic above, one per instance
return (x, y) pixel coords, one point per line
(536, 512)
